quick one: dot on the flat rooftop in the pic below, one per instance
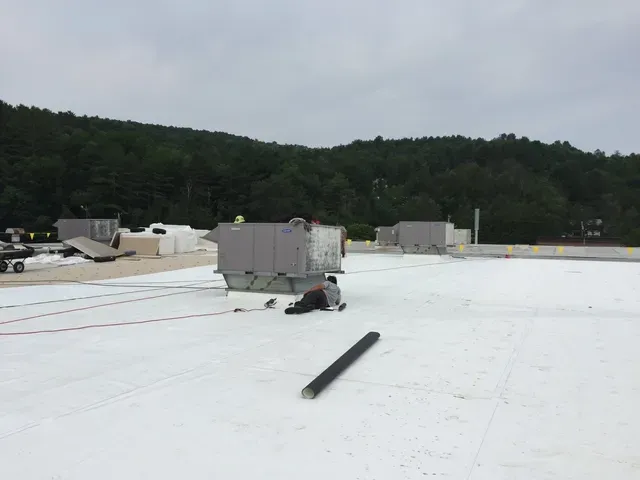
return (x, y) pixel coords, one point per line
(485, 369)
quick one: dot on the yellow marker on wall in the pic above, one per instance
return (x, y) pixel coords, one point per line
(368, 242)
(630, 250)
(31, 235)
(560, 249)
(461, 247)
(509, 249)
(535, 249)
(348, 241)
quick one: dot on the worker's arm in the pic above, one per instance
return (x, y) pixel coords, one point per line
(320, 286)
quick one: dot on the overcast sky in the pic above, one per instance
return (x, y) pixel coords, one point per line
(326, 72)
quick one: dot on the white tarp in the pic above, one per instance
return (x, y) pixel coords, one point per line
(55, 260)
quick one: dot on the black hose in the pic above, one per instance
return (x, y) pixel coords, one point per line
(341, 364)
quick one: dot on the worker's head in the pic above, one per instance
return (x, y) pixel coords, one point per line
(239, 219)
(332, 279)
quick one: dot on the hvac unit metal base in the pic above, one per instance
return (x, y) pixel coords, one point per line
(271, 282)
(424, 250)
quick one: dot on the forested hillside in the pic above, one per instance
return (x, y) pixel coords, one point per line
(54, 164)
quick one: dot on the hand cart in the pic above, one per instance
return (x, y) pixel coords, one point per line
(10, 256)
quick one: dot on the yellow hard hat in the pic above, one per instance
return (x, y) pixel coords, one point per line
(239, 219)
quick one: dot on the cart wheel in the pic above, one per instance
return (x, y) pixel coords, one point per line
(18, 267)
(3, 266)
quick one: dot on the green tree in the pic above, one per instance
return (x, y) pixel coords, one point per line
(59, 164)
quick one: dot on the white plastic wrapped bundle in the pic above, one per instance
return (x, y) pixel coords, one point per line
(185, 236)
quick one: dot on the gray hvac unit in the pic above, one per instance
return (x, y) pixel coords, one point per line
(425, 237)
(426, 234)
(98, 229)
(414, 233)
(441, 234)
(386, 236)
(277, 257)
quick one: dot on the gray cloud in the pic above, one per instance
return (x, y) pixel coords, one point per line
(324, 73)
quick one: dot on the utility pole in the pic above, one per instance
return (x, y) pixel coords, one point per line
(477, 224)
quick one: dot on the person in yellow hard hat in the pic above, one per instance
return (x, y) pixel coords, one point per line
(239, 219)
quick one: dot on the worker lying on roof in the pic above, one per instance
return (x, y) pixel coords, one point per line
(324, 295)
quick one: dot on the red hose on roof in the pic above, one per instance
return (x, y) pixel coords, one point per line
(122, 324)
